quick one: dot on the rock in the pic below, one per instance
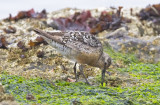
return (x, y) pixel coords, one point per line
(9, 103)
(146, 50)
(1, 89)
(6, 99)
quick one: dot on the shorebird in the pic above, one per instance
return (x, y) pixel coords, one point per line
(79, 46)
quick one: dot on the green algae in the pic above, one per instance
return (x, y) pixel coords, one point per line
(68, 93)
(145, 92)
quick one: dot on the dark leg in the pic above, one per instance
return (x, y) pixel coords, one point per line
(81, 70)
(103, 75)
(75, 73)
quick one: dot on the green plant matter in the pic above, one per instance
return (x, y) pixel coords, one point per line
(125, 59)
(146, 90)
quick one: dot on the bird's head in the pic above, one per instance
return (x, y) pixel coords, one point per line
(104, 61)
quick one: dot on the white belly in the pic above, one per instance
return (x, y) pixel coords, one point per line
(61, 48)
(65, 51)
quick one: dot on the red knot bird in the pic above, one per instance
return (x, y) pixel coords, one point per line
(79, 46)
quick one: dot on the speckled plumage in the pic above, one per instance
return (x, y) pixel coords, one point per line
(82, 47)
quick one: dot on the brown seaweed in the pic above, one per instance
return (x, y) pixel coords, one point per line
(150, 13)
(83, 21)
(10, 29)
(22, 46)
(3, 42)
(28, 14)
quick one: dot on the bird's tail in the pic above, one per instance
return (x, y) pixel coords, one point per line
(47, 35)
(39, 32)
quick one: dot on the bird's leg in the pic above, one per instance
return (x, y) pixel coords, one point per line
(103, 74)
(75, 73)
(81, 70)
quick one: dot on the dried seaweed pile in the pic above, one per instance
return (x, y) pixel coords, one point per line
(150, 13)
(84, 21)
(28, 14)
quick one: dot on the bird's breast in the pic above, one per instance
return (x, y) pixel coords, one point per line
(90, 59)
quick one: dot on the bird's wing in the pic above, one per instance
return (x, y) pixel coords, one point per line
(76, 40)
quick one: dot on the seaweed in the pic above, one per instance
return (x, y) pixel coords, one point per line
(28, 14)
(10, 29)
(3, 42)
(84, 21)
(21, 45)
(150, 13)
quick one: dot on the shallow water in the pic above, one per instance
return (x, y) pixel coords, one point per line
(13, 6)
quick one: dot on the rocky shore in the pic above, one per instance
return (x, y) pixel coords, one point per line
(24, 53)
